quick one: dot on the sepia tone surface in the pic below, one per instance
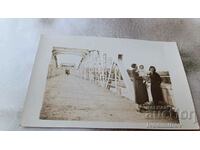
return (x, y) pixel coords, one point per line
(87, 94)
(79, 100)
(19, 39)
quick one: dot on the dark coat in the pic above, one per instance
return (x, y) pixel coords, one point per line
(141, 94)
(156, 90)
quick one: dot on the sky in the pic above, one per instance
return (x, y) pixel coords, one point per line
(142, 56)
(69, 58)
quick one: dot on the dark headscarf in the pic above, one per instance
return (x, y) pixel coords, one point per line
(152, 68)
(133, 65)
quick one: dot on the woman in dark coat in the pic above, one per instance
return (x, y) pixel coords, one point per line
(141, 95)
(156, 90)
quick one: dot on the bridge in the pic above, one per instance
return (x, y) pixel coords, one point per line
(96, 88)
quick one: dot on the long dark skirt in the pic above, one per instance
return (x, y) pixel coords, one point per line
(157, 94)
(141, 92)
(156, 90)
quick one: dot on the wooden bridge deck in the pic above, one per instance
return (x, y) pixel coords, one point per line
(72, 98)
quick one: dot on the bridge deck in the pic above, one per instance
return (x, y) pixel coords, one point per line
(72, 98)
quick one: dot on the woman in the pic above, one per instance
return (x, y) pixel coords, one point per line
(141, 95)
(156, 90)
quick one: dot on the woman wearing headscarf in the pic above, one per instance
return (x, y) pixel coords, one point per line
(141, 95)
(156, 90)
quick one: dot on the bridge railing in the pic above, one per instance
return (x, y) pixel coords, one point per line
(106, 72)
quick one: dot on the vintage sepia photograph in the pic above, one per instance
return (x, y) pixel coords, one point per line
(108, 86)
(108, 83)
